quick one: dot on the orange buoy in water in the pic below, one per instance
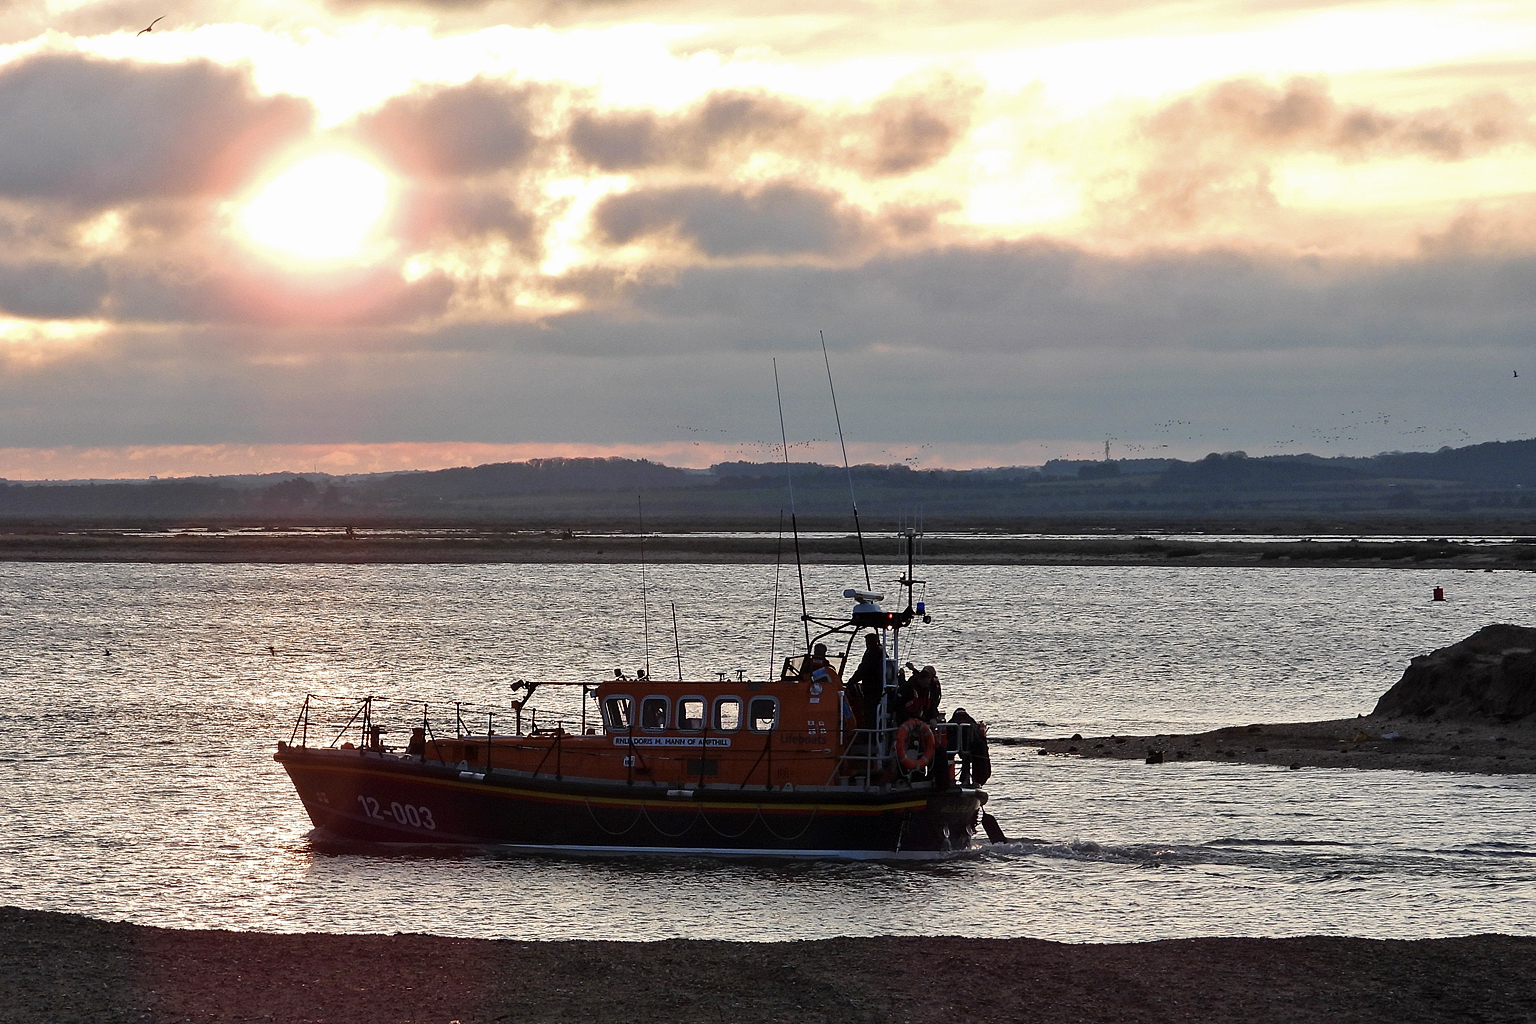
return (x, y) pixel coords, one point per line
(1439, 594)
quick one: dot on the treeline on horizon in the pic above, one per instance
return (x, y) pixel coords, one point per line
(1492, 480)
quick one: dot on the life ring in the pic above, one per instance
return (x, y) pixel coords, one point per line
(914, 732)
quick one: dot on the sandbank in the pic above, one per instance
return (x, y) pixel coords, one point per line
(1368, 741)
(476, 545)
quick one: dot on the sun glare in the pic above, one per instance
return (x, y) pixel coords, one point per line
(322, 208)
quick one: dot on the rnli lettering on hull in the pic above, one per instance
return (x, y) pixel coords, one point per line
(671, 741)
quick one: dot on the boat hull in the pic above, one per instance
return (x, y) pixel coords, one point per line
(371, 797)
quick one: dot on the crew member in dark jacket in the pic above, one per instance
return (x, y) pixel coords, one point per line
(869, 682)
(920, 695)
(980, 758)
(815, 660)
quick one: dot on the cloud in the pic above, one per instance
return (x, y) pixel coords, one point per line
(52, 291)
(477, 128)
(919, 123)
(1303, 116)
(965, 342)
(243, 293)
(1212, 156)
(778, 220)
(468, 156)
(30, 230)
(92, 133)
(435, 212)
(630, 139)
(913, 127)
(1039, 295)
(1498, 228)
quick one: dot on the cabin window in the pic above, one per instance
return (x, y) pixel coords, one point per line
(653, 713)
(727, 714)
(690, 714)
(763, 714)
(618, 713)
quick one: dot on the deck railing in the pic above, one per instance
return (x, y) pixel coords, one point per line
(868, 759)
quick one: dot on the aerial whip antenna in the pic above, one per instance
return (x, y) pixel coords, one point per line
(773, 632)
(846, 468)
(645, 603)
(677, 644)
(805, 615)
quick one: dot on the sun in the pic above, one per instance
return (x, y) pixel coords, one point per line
(325, 207)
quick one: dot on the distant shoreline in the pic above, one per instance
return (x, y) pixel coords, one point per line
(49, 544)
(67, 969)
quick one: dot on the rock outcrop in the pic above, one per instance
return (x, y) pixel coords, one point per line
(1491, 676)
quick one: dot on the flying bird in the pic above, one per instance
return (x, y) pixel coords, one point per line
(1517, 373)
(151, 25)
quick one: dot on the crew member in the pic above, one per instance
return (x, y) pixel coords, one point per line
(979, 761)
(817, 659)
(869, 682)
(921, 695)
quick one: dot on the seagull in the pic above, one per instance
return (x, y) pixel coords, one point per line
(151, 25)
(1517, 373)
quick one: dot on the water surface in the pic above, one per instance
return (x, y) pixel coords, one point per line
(143, 703)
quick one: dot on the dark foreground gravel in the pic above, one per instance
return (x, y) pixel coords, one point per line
(60, 968)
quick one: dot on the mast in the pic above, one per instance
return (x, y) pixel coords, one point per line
(676, 643)
(773, 630)
(794, 526)
(857, 529)
(645, 602)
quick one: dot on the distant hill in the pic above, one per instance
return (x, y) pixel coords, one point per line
(1481, 487)
(1494, 464)
(1237, 472)
(537, 476)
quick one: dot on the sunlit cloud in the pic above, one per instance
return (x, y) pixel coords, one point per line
(32, 341)
(997, 210)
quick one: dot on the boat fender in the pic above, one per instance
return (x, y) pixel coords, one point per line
(915, 733)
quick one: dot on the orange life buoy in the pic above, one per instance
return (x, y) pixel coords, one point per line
(913, 733)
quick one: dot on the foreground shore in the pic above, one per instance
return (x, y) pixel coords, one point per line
(1369, 741)
(63, 969)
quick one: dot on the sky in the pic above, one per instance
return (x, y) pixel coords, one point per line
(355, 236)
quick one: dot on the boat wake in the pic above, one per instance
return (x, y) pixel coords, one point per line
(1319, 859)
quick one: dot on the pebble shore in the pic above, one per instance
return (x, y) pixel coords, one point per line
(65, 969)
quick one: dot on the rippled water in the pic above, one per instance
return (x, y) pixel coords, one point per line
(143, 702)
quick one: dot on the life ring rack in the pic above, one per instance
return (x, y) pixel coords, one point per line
(915, 732)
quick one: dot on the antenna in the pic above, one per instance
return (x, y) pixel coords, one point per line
(794, 526)
(645, 604)
(846, 468)
(773, 632)
(677, 644)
